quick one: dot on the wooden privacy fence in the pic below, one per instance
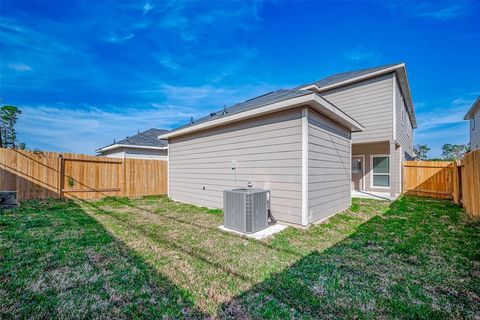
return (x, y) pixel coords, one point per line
(40, 175)
(467, 186)
(456, 180)
(428, 178)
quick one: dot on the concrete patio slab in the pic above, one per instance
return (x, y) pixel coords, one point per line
(373, 195)
(259, 235)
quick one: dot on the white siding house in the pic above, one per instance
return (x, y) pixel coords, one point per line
(143, 145)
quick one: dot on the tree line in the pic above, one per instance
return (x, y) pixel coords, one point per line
(8, 134)
(450, 152)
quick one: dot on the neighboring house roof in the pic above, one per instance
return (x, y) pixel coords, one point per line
(283, 95)
(147, 140)
(471, 112)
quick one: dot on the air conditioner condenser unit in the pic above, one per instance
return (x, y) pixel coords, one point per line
(246, 210)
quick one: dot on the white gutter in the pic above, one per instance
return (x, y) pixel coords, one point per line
(312, 99)
(114, 146)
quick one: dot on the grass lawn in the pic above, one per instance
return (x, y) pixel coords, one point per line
(150, 258)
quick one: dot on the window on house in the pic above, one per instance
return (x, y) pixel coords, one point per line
(403, 115)
(472, 123)
(381, 171)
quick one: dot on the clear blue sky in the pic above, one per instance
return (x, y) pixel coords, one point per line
(85, 73)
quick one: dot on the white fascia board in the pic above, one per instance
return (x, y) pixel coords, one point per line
(115, 146)
(312, 99)
(471, 112)
(403, 80)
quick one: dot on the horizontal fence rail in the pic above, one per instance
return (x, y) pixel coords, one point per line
(457, 180)
(40, 175)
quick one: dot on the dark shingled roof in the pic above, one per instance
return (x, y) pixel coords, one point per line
(282, 94)
(148, 138)
(263, 100)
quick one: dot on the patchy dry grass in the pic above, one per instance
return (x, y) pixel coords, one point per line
(150, 257)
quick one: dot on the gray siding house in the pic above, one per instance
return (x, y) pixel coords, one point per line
(309, 145)
(379, 98)
(143, 145)
(287, 141)
(473, 115)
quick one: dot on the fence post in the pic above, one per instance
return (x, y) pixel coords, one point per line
(61, 177)
(124, 185)
(455, 182)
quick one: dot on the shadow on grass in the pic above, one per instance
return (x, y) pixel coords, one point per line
(118, 202)
(154, 236)
(418, 260)
(56, 261)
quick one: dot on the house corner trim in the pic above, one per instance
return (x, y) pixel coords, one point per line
(394, 104)
(305, 166)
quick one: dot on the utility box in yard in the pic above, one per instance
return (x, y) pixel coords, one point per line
(246, 210)
(8, 199)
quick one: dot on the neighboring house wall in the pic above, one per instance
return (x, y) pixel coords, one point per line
(475, 133)
(267, 151)
(329, 157)
(114, 153)
(369, 102)
(137, 153)
(152, 154)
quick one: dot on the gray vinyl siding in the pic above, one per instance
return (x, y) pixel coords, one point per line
(268, 152)
(329, 156)
(475, 133)
(370, 102)
(404, 130)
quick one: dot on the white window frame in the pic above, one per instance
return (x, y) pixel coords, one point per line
(363, 168)
(382, 174)
(472, 123)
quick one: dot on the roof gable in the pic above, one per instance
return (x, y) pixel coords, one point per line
(473, 109)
